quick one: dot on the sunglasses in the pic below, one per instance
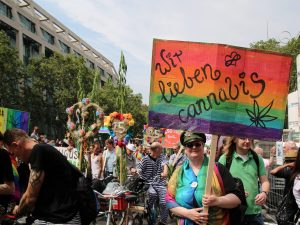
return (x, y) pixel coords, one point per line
(191, 145)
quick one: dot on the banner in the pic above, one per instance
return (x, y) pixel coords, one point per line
(11, 118)
(3, 119)
(72, 155)
(218, 89)
(172, 138)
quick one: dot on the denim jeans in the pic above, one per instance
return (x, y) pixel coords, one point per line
(256, 219)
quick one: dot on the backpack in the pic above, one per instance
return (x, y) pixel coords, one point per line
(237, 214)
(88, 204)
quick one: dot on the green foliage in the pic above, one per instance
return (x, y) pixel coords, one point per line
(47, 86)
(292, 48)
(133, 104)
(55, 82)
(96, 86)
(12, 75)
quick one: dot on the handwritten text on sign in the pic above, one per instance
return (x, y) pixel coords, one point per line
(218, 89)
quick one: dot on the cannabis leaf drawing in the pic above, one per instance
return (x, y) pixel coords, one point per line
(259, 117)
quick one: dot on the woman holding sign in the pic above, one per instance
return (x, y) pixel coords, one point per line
(185, 195)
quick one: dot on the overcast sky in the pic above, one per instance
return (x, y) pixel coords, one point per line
(114, 25)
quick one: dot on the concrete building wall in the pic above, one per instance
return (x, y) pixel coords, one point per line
(28, 24)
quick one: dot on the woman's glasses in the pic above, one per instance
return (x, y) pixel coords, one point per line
(195, 144)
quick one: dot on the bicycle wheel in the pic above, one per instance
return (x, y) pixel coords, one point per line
(137, 220)
(119, 217)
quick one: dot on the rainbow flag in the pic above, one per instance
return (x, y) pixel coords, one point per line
(218, 89)
(11, 118)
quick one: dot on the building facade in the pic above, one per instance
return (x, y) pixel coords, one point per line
(34, 32)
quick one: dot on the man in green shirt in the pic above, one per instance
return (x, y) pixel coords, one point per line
(244, 167)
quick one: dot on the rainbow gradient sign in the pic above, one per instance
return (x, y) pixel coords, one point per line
(218, 89)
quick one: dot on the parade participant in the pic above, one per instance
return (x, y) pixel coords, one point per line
(109, 159)
(267, 162)
(35, 133)
(154, 170)
(244, 166)
(139, 154)
(295, 176)
(50, 195)
(42, 139)
(185, 195)
(96, 160)
(7, 186)
(130, 159)
(177, 158)
(285, 171)
(289, 146)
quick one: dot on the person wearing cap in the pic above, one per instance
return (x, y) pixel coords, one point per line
(185, 193)
(130, 159)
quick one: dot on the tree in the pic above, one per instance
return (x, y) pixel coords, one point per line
(12, 75)
(122, 83)
(292, 48)
(56, 83)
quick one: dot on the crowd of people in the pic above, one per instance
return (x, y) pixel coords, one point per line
(46, 188)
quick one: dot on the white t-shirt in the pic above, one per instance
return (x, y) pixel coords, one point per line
(296, 190)
(95, 165)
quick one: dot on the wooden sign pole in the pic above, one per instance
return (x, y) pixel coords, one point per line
(210, 169)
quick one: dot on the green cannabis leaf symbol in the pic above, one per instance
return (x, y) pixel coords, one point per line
(259, 117)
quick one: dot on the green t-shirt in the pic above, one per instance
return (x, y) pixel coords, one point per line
(247, 172)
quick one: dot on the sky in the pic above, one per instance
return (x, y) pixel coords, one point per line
(112, 26)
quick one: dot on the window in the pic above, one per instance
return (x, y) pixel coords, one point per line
(48, 52)
(48, 37)
(77, 54)
(31, 49)
(101, 71)
(27, 24)
(10, 32)
(65, 48)
(90, 64)
(5, 10)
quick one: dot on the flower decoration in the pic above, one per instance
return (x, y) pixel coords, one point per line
(81, 132)
(86, 101)
(70, 110)
(120, 126)
(71, 126)
(152, 134)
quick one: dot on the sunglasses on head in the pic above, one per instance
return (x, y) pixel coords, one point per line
(196, 144)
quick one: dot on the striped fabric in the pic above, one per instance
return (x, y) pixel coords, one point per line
(151, 170)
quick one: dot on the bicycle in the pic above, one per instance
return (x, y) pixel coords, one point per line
(121, 209)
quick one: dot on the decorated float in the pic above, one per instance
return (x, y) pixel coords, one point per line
(120, 127)
(84, 120)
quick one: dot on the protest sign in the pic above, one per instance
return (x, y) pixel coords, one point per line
(71, 155)
(172, 138)
(218, 89)
(279, 153)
